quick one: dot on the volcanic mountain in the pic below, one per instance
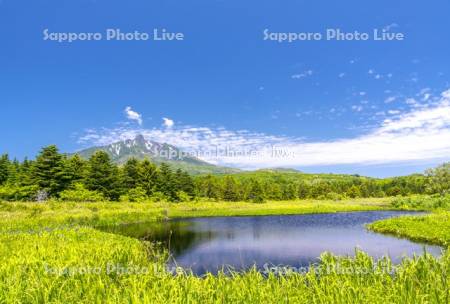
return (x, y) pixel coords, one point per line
(141, 148)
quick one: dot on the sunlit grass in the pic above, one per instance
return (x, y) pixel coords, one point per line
(433, 228)
(28, 215)
(44, 247)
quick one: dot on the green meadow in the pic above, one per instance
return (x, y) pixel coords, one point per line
(52, 253)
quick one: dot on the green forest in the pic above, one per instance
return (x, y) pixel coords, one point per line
(54, 175)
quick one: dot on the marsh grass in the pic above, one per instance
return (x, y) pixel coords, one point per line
(432, 228)
(50, 253)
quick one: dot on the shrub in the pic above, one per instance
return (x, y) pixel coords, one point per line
(183, 196)
(333, 196)
(80, 194)
(159, 197)
(137, 194)
(15, 193)
(422, 202)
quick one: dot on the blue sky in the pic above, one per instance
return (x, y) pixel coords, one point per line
(371, 107)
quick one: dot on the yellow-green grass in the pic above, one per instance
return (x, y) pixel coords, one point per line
(71, 266)
(50, 253)
(432, 228)
(22, 215)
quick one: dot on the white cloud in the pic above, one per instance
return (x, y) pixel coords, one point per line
(357, 108)
(132, 115)
(390, 99)
(341, 75)
(414, 136)
(167, 122)
(410, 101)
(394, 112)
(302, 75)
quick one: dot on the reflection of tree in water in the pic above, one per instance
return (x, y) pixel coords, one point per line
(176, 236)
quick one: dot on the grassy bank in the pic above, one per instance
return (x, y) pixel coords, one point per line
(55, 214)
(432, 228)
(50, 253)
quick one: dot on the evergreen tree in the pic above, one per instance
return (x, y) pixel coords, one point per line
(166, 183)
(303, 190)
(256, 193)
(25, 174)
(131, 173)
(230, 189)
(48, 170)
(147, 176)
(289, 191)
(184, 182)
(102, 175)
(76, 169)
(13, 173)
(210, 187)
(4, 168)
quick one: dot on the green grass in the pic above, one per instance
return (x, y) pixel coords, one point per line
(432, 228)
(274, 207)
(45, 247)
(55, 214)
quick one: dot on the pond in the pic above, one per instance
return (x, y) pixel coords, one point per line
(208, 244)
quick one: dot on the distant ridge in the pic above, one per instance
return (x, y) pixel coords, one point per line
(281, 170)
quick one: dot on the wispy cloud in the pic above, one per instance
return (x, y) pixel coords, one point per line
(133, 115)
(390, 99)
(167, 122)
(302, 75)
(416, 135)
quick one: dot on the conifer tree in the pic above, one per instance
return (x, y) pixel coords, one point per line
(147, 176)
(289, 191)
(184, 182)
(131, 173)
(165, 182)
(48, 169)
(210, 187)
(102, 175)
(76, 169)
(4, 168)
(256, 193)
(25, 174)
(230, 189)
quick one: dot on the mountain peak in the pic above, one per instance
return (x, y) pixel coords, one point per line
(141, 148)
(140, 139)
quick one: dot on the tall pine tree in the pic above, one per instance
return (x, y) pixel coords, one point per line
(48, 169)
(230, 189)
(147, 176)
(131, 173)
(102, 175)
(4, 168)
(166, 183)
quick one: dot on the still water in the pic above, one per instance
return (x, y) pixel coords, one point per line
(209, 244)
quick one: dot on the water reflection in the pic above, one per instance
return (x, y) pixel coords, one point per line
(208, 244)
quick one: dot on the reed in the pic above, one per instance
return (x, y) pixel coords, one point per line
(51, 253)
